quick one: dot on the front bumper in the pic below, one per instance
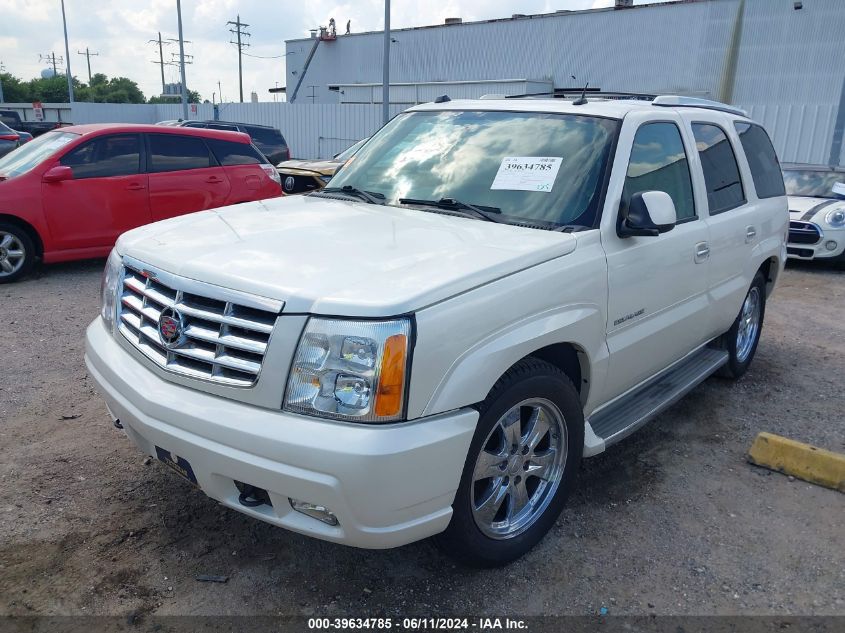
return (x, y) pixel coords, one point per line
(821, 249)
(388, 485)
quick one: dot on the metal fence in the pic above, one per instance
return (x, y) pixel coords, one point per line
(311, 130)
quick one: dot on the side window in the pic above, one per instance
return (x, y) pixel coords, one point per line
(171, 152)
(105, 156)
(659, 163)
(721, 173)
(228, 153)
(765, 169)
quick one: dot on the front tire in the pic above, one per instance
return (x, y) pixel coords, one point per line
(17, 252)
(521, 466)
(742, 339)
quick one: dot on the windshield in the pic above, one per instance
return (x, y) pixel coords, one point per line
(813, 183)
(536, 168)
(350, 151)
(28, 156)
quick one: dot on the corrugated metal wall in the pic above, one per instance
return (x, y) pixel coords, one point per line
(786, 66)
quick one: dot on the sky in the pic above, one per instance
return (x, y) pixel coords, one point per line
(119, 31)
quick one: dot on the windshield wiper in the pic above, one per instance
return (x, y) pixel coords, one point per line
(372, 198)
(485, 213)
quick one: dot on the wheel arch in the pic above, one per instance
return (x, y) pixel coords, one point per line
(33, 233)
(771, 268)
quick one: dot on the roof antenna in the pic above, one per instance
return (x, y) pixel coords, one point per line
(582, 99)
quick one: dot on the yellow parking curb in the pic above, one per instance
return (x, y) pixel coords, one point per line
(803, 461)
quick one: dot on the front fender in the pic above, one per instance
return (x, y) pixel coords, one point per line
(471, 376)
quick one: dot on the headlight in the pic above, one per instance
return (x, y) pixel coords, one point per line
(108, 289)
(351, 370)
(836, 218)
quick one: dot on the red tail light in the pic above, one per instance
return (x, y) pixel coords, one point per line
(9, 137)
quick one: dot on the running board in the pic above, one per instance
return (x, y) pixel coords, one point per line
(619, 419)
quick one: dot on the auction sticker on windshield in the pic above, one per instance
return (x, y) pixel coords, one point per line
(527, 173)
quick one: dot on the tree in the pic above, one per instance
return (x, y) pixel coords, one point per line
(101, 89)
(193, 97)
(14, 90)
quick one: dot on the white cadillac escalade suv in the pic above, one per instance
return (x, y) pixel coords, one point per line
(489, 292)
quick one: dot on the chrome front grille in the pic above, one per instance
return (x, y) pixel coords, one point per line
(804, 233)
(222, 338)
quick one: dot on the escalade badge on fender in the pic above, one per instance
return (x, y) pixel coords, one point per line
(171, 327)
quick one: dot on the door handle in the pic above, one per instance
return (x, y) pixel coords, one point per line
(750, 234)
(135, 186)
(214, 179)
(702, 252)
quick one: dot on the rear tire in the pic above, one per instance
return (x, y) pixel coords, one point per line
(521, 466)
(741, 340)
(17, 252)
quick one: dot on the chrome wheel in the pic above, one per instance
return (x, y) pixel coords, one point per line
(12, 254)
(519, 468)
(749, 325)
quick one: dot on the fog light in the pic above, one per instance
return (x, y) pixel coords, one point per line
(830, 245)
(321, 513)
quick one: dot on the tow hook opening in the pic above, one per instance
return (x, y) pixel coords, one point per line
(252, 496)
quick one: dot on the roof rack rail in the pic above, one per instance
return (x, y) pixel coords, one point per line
(674, 101)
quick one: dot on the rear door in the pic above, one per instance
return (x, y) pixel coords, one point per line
(248, 171)
(184, 176)
(730, 217)
(107, 195)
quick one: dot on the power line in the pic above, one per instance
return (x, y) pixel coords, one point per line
(51, 59)
(88, 55)
(239, 33)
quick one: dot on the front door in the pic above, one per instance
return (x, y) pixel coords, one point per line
(184, 176)
(106, 196)
(657, 304)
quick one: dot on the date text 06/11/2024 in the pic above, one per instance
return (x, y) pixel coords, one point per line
(417, 624)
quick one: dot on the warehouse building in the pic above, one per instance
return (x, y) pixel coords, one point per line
(782, 60)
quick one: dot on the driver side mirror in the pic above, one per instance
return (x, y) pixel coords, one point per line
(58, 174)
(649, 213)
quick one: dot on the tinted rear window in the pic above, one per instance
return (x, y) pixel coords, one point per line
(765, 169)
(170, 152)
(265, 135)
(721, 173)
(228, 153)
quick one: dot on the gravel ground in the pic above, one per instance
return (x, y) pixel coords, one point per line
(671, 521)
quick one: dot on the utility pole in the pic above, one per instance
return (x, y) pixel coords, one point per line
(67, 57)
(181, 61)
(51, 59)
(160, 61)
(2, 70)
(220, 91)
(385, 87)
(88, 55)
(239, 32)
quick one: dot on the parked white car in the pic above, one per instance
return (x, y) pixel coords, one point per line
(489, 292)
(817, 212)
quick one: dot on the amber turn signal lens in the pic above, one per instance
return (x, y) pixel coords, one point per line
(391, 382)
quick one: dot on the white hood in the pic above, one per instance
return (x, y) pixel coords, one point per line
(326, 256)
(812, 209)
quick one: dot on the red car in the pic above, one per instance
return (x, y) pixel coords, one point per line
(70, 193)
